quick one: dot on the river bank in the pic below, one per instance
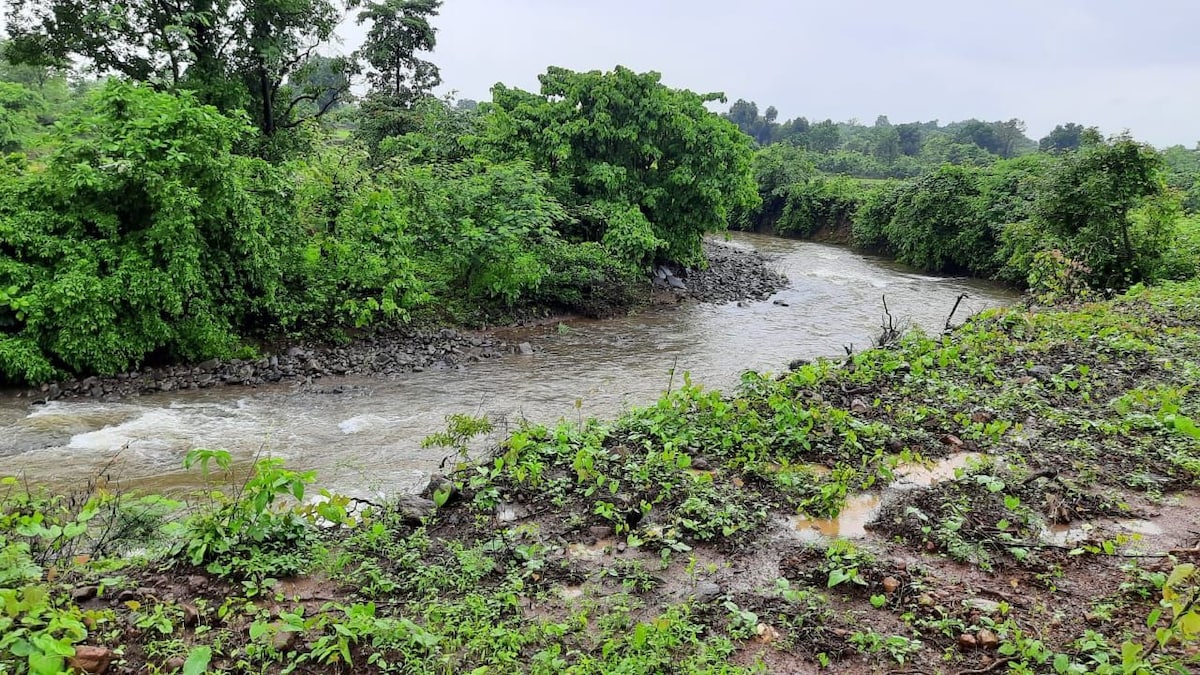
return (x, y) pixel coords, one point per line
(732, 275)
(363, 433)
(1034, 482)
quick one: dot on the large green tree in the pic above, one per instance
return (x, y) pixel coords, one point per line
(400, 78)
(647, 168)
(233, 54)
(1088, 199)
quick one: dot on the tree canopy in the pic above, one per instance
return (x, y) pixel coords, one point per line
(647, 167)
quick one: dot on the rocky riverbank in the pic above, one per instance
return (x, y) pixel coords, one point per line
(733, 274)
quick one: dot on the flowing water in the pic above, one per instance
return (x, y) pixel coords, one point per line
(367, 440)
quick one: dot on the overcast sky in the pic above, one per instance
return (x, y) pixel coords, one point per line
(1115, 64)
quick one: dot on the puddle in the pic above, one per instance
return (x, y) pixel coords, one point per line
(601, 548)
(1071, 534)
(921, 475)
(860, 509)
(850, 523)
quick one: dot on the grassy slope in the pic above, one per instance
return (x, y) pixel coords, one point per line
(661, 541)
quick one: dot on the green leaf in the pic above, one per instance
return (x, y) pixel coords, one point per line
(198, 660)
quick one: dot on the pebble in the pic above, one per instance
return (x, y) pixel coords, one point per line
(89, 659)
(987, 639)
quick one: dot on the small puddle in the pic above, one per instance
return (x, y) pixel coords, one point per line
(921, 475)
(600, 549)
(850, 523)
(861, 509)
(1070, 534)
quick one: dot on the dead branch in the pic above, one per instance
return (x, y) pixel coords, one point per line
(961, 297)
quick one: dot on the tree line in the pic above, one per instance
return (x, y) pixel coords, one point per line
(221, 186)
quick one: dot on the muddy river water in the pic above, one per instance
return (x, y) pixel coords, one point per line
(366, 440)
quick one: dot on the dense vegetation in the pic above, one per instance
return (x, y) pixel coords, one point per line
(225, 190)
(664, 541)
(981, 199)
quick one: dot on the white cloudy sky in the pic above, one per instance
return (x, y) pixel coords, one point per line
(1115, 64)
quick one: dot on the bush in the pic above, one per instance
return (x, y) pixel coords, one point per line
(143, 235)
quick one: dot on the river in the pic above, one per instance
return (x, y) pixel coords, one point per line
(365, 441)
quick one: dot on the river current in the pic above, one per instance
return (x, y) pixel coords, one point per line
(366, 440)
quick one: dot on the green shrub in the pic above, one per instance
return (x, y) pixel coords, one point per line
(143, 235)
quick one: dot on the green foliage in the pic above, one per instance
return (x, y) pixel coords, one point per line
(354, 258)
(647, 168)
(232, 55)
(1087, 199)
(140, 236)
(250, 533)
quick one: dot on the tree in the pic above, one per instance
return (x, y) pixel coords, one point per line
(400, 30)
(1063, 138)
(885, 140)
(400, 78)
(1087, 200)
(911, 137)
(745, 115)
(824, 136)
(321, 85)
(232, 54)
(646, 169)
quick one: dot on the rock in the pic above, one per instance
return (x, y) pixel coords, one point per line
(1041, 372)
(174, 664)
(890, 585)
(89, 659)
(674, 282)
(84, 593)
(283, 640)
(415, 509)
(951, 440)
(196, 581)
(621, 547)
(600, 531)
(982, 417)
(439, 484)
(126, 595)
(859, 407)
(780, 303)
(766, 634)
(211, 364)
(982, 605)
(987, 639)
(967, 642)
(191, 616)
(925, 600)
(509, 513)
(525, 349)
(707, 591)
(701, 464)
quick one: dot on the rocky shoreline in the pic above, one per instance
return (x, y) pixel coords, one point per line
(733, 275)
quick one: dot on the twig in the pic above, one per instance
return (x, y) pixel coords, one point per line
(987, 669)
(890, 332)
(961, 297)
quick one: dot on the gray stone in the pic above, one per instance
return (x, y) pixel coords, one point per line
(525, 349)
(509, 513)
(985, 606)
(415, 509)
(707, 591)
